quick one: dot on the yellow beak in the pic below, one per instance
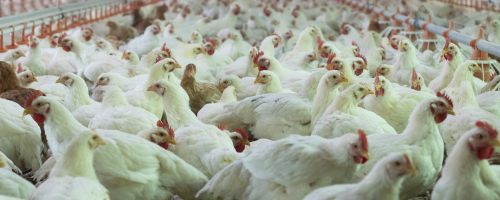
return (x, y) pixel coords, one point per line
(60, 80)
(369, 91)
(450, 111)
(411, 170)
(495, 142)
(151, 88)
(259, 80)
(28, 111)
(100, 141)
(124, 56)
(171, 141)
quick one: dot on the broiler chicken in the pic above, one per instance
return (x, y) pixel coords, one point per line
(269, 82)
(146, 42)
(289, 168)
(77, 99)
(467, 167)
(204, 146)
(423, 141)
(117, 114)
(13, 185)
(343, 115)
(69, 181)
(399, 100)
(149, 173)
(383, 182)
(209, 111)
(199, 93)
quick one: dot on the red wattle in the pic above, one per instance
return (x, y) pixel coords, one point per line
(164, 145)
(66, 48)
(262, 68)
(239, 148)
(358, 72)
(448, 56)
(38, 118)
(394, 46)
(440, 117)
(485, 153)
(360, 159)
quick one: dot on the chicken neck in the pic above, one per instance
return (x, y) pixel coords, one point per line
(77, 161)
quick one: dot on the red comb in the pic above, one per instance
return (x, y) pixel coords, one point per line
(242, 132)
(445, 97)
(364, 140)
(414, 74)
(407, 159)
(256, 58)
(320, 42)
(488, 128)
(447, 43)
(61, 38)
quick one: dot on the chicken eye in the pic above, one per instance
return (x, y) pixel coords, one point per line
(397, 163)
(128, 53)
(162, 134)
(361, 89)
(480, 137)
(334, 77)
(94, 137)
(170, 63)
(355, 146)
(264, 76)
(26, 76)
(383, 81)
(38, 104)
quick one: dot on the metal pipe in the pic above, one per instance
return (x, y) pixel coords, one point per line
(483, 45)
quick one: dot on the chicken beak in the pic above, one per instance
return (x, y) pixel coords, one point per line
(124, 56)
(411, 170)
(172, 141)
(34, 79)
(151, 88)
(259, 80)
(369, 91)
(28, 111)
(343, 79)
(450, 111)
(378, 87)
(99, 141)
(365, 154)
(60, 80)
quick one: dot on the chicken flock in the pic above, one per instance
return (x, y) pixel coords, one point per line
(247, 100)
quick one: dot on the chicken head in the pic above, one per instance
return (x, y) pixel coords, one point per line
(441, 108)
(358, 148)
(483, 141)
(400, 165)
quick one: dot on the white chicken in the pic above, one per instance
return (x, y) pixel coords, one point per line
(244, 87)
(20, 137)
(399, 100)
(13, 185)
(146, 42)
(77, 99)
(117, 114)
(461, 93)
(383, 182)
(68, 180)
(289, 168)
(203, 146)
(344, 116)
(269, 82)
(467, 167)
(150, 173)
(207, 113)
(149, 101)
(422, 139)
(406, 60)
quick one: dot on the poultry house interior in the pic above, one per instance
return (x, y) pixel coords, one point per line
(249, 99)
